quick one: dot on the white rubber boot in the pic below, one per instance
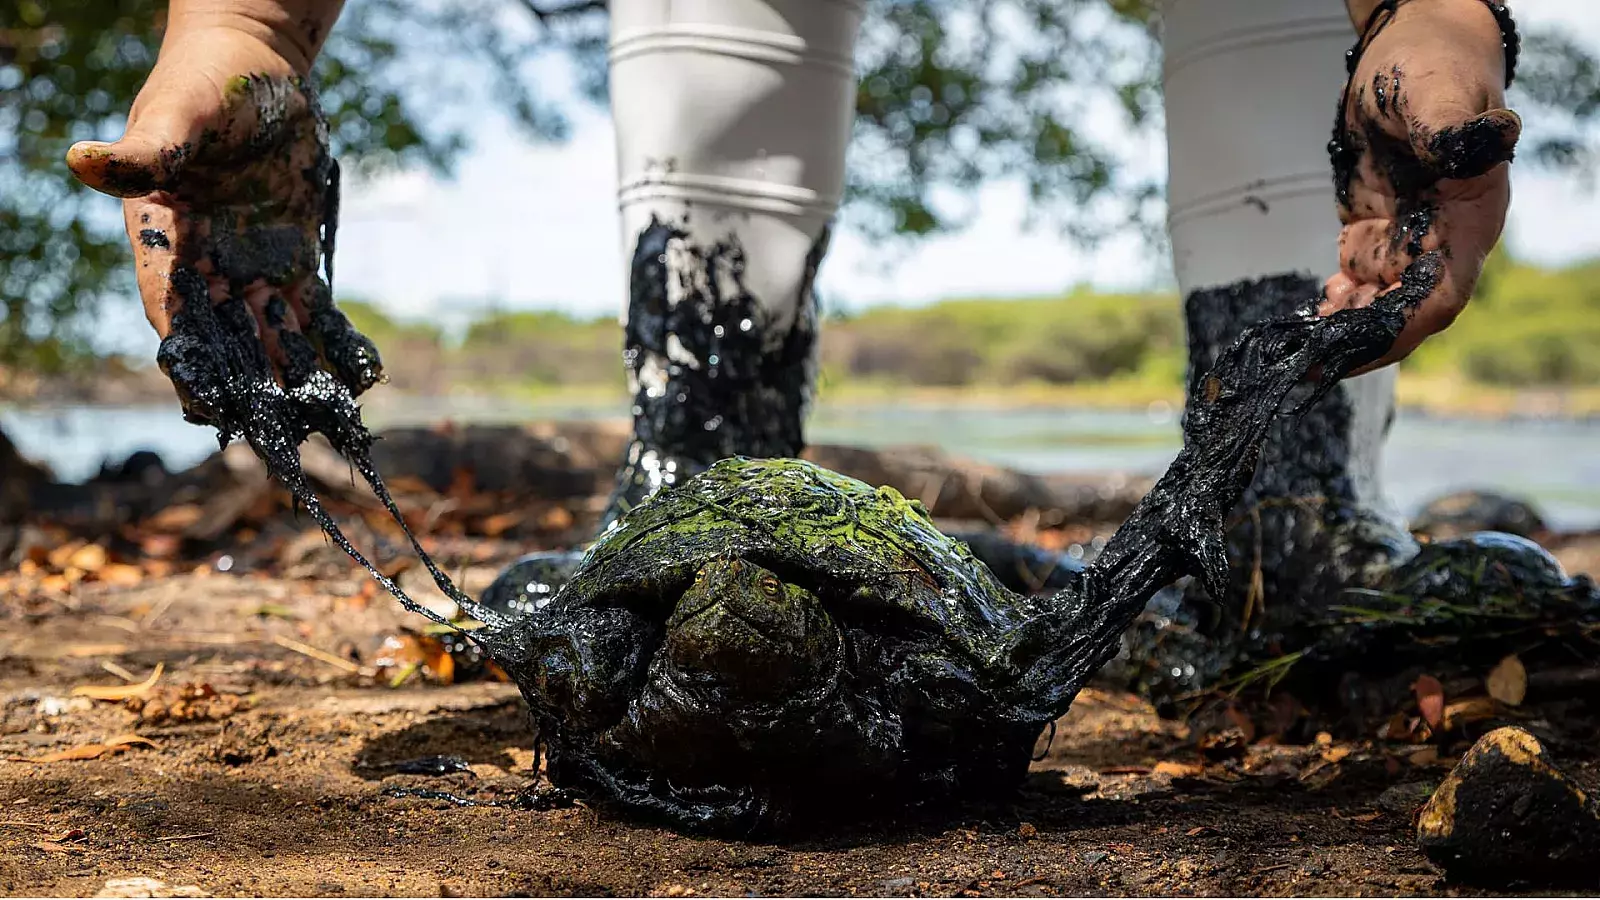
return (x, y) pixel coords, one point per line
(1252, 89)
(732, 119)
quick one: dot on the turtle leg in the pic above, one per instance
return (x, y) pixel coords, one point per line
(1023, 568)
(731, 170)
(530, 582)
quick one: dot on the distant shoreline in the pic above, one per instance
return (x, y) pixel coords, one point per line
(1439, 398)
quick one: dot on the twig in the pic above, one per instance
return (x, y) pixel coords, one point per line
(119, 671)
(122, 622)
(544, 15)
(156, 611)
(36, 826)
(314, 653)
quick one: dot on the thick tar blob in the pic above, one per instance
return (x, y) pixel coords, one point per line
(712, 376)
(910, 673)
(1318, 579)
(1298, 535)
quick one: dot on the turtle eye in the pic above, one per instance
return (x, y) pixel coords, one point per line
(700, 576)
(771, 586)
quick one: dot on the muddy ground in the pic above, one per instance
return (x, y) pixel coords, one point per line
(272, 735)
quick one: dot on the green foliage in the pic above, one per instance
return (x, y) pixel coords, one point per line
(1082, 336)
(953, 94)
(956, 93)
(1526, 327)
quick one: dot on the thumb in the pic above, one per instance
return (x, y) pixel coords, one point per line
(163, 131)
(1470, 149)
(133, 166)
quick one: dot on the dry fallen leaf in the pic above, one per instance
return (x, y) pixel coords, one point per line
(120, 574)
(1174, 769)
(1426, 756)
(1508, 681)
(1335, 753)
(120, 692)
(61, 556)
(1430, 699)
(500, 523)
(176, 518)
(1462, 712)
(89, 558)
(83, 650)
(91, 751)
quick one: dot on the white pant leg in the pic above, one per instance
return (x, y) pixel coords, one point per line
(1252, 87)
(732, 118)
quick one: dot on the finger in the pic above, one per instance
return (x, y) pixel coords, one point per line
(131, 167)
(1342, 292)
(273, 321)
(1369, 252)
(1435, 290)
(162, 136)
(349, 354)
(157, 239)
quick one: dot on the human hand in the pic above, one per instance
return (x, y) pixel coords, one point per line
(1421, 165)
(231, 203)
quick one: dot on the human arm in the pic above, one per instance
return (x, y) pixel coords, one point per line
(229, 190)
(1423, 178)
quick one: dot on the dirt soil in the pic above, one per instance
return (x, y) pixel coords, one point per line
(267, 744)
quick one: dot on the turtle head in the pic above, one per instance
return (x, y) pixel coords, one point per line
(742, 628)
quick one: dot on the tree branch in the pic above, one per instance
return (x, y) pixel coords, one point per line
(545, 14)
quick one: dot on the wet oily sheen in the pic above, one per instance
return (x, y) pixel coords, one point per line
(908, 670)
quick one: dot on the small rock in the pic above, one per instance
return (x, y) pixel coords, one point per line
(1466, 512)
(1027, 830)
(1095, 856)
(1405, 799)
(147, 887)
(896, 885)
(1507, 814)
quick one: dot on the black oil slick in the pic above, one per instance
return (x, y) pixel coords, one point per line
(917, 673)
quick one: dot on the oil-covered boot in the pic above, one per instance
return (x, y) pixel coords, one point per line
(714, 371)
(732, 120)
(1254, 233)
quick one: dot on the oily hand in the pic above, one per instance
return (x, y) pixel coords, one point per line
(231, 202)
(1421, 164)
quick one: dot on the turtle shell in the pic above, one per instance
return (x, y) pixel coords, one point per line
(915, 663)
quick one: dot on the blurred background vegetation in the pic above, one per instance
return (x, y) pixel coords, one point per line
(1529, 328)
(953, 94)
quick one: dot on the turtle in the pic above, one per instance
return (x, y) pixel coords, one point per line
(770, 640)
(771, 635)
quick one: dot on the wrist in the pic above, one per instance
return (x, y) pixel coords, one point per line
(1462, 10)
(294, 30)
(1476, 30)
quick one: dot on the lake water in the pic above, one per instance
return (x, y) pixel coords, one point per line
(1556, 464)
